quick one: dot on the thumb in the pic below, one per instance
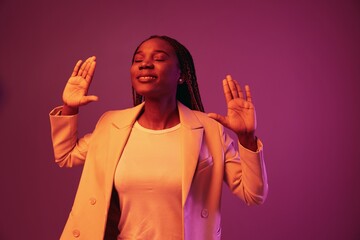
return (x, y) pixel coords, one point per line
(88, 99)
(221, 119)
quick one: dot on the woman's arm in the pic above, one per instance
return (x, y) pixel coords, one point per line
(245, 171)
(68, 149)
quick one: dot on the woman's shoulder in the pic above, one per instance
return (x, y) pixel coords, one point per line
(202, 118)
(206, 120)
(117, 112)
(120, 117)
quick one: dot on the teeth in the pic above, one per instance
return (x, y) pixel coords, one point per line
(147, 78)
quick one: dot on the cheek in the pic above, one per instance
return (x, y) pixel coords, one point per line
(173, 73)
(132, 75)
(132, 70)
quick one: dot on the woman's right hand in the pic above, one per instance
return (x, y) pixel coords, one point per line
(75, 92)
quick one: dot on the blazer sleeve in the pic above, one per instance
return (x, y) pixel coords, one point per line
(245, 171)
(69, 150)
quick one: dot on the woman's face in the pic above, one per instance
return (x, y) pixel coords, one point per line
(155, 70)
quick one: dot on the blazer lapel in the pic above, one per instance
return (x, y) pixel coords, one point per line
(119, 134)
(192, 134)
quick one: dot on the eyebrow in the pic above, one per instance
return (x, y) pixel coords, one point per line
(156, 51)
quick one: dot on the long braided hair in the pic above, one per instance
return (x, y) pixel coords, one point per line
(188, 92)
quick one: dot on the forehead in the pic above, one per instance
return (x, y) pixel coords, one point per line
(156, 44)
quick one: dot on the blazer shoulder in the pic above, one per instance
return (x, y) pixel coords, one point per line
(111, 114)
(121, 117)
(207, 121)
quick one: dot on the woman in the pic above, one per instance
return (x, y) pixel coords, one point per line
(155, 171)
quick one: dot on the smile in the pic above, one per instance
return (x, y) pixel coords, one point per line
(147, 78)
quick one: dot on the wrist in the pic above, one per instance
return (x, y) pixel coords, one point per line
(67, 110)
(248, 140)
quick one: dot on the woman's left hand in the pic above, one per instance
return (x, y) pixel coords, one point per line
(241, 116)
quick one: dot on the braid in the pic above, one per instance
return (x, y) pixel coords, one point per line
(187, 93)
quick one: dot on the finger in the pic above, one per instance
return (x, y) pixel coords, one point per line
(221, 119)
(248, 93)
(232, 86)
(91, 71)
(76, 68)
(82, 68)
(87, 99)
(239, 90)
(86, 68)
(227, 92)
(92, 98)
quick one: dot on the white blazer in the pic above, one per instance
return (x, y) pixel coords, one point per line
(208, 155)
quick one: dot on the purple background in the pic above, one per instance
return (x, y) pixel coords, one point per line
(301, 59)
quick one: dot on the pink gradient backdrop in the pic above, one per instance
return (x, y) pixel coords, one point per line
(301, 59)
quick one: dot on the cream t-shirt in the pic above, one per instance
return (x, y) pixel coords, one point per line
(148, 182)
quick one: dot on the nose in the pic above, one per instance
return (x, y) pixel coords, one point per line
(146, 65)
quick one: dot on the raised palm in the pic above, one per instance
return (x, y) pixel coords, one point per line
(241, 116)
(76, 89)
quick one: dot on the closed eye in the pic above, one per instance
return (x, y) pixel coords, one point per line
(160, 57)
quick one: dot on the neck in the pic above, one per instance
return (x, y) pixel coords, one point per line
(159, 115)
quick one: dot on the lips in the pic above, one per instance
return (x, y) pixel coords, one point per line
(146, 77)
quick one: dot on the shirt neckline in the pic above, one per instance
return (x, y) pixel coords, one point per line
(153, 131)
